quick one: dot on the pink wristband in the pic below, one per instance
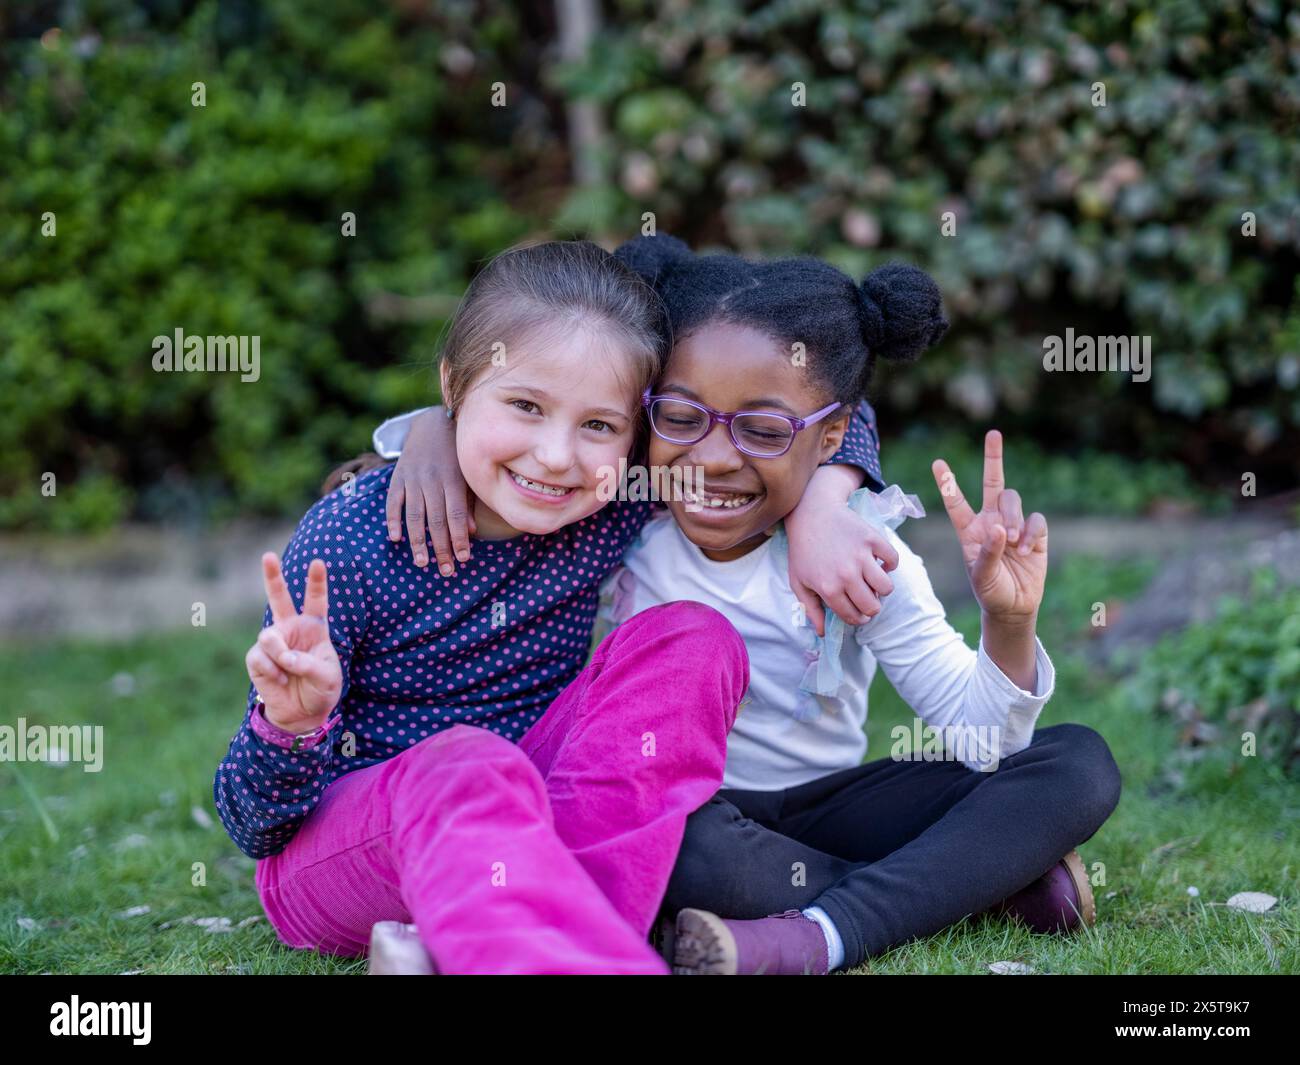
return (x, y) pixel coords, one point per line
(291, 741)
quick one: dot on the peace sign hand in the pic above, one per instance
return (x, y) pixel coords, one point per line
(293, 664)
(1005, 554)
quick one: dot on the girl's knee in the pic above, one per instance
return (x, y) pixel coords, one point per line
(685, 617)
(1092, 769)
(464, 750)
(699, 878)
(698, 627)
(459, 741)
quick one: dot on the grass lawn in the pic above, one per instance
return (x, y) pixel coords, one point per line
(83, 851)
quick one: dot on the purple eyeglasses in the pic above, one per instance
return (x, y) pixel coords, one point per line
(758, 433)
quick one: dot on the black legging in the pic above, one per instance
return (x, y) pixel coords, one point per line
(896, 850)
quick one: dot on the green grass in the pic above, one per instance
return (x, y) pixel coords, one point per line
(1218, 834)
(126, 836)
(79, 848)
(1216, 824)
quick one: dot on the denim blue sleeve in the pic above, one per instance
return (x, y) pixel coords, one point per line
(861, 446)
(263, 792)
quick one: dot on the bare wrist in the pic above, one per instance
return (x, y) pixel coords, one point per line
(835, 482)
(1011, 626)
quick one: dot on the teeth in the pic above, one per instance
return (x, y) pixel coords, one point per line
(723, 502)
(536, 486)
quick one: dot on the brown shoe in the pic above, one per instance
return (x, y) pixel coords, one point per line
(1083, 886)
(1058, 901)
(396, 950)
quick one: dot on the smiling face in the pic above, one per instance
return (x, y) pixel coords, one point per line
(533, 436)
(730, 368)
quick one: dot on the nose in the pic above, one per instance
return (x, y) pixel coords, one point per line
(717, 452)
(554, 450)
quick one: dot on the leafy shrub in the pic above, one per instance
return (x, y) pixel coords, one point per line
(227, 219)
(1088, 481)
(1237, 673)
(1125, 219)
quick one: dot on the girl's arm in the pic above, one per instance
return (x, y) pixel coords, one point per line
(833, 553)
(949, 684)
(263, 792)
(1002, 688)
(1006, 558)
(427, 481)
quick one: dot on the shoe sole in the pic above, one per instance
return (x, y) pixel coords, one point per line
(401, 953)
(664, 937)
(1079, 876)
(704, 946)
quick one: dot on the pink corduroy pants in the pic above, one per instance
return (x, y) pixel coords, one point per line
(547, 856)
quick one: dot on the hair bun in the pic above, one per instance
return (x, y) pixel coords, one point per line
(653, 258)
(902, 311)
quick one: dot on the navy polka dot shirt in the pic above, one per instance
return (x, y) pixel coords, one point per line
(492, 646)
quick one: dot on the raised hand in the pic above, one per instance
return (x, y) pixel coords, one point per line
(293, 664)
(1005, 553)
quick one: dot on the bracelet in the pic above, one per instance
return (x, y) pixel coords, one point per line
(292, 741)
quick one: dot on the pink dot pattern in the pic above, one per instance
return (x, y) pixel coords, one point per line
(421, 652)
(491, 647)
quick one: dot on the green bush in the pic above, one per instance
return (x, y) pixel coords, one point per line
(1087, 481)
(1237, 673)
(1125, 219)
(224, 220)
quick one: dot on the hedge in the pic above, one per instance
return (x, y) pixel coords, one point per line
(226, 219)
(1123, 219)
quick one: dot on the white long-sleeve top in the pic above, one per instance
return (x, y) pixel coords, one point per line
(783, 736)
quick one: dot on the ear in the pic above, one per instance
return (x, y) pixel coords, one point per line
(833, 436)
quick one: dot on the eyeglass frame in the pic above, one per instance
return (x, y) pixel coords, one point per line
(717, 417)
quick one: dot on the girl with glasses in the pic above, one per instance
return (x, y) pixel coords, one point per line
(431, 751)
(808, 860)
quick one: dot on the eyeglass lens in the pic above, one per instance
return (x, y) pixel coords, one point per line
(764, 434)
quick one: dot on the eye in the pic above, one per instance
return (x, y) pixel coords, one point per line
(603, 427)
(525, 405)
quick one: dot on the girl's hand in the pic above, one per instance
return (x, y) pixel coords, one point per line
(427, 479)
(1005, 554)
(293, 665)
(833, 559)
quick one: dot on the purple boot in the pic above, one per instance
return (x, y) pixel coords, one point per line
(1058, 901)
(784, 944)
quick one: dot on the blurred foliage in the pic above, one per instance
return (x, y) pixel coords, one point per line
(227, 220)
(1237, 673)
(1086, 481)
(1076, 582)
(1123, 219)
